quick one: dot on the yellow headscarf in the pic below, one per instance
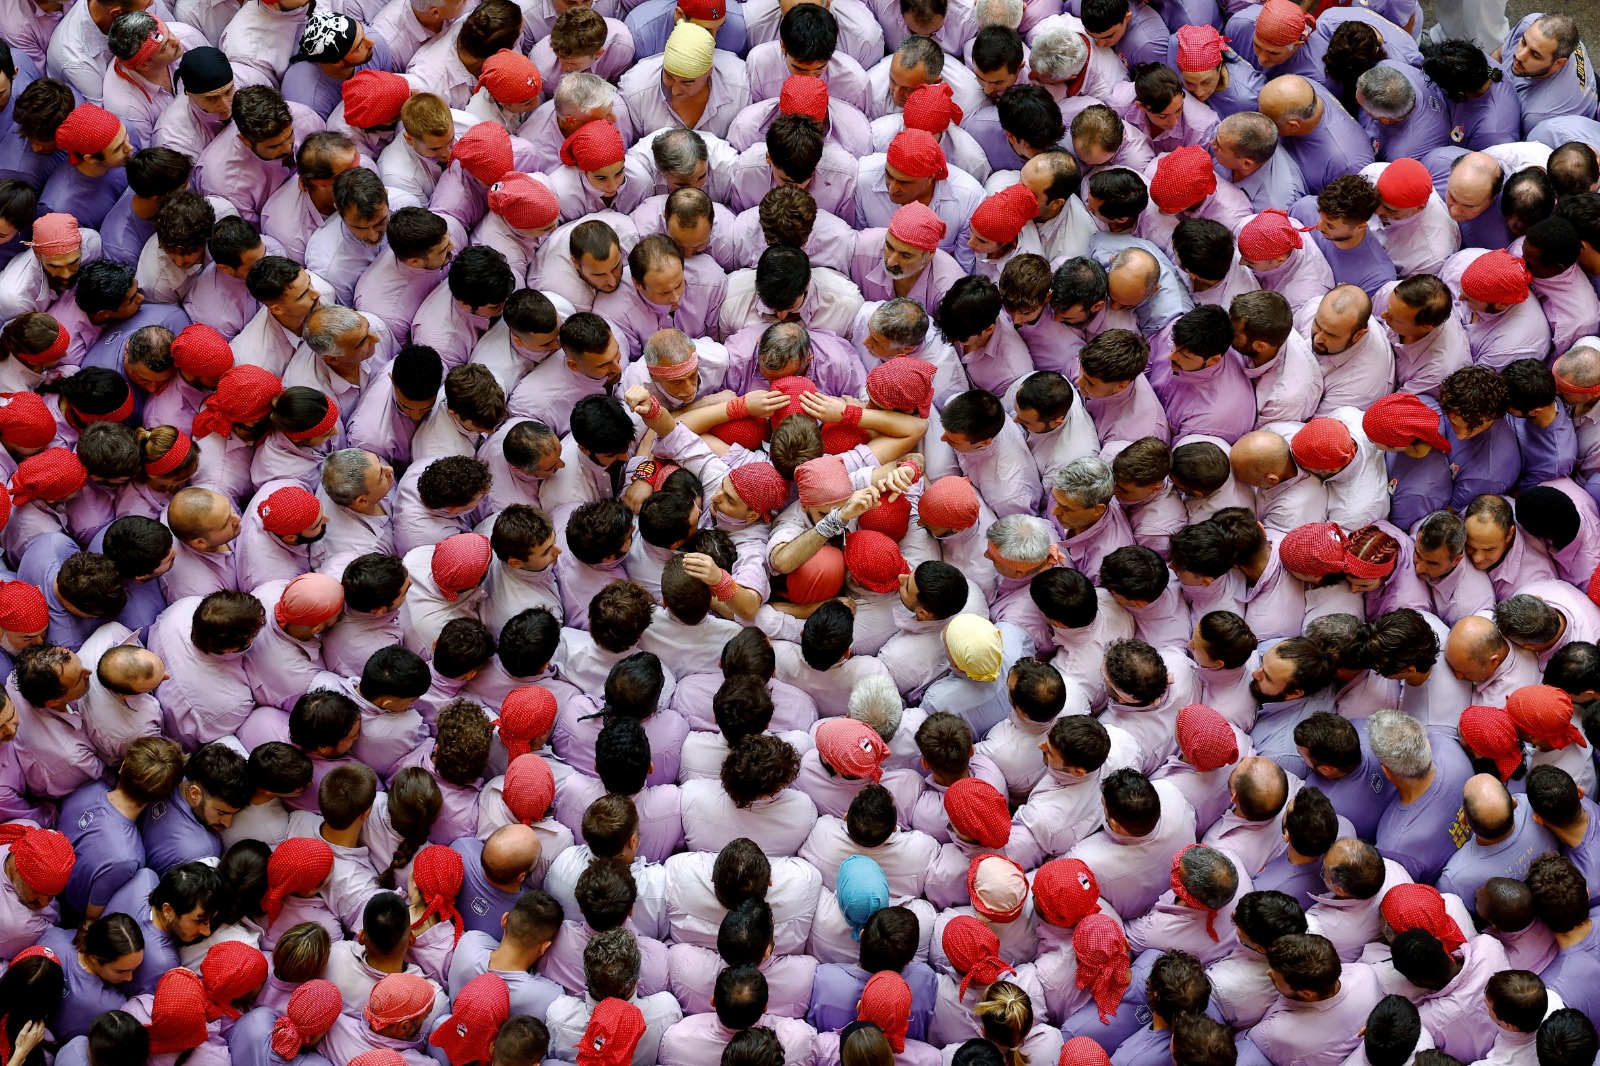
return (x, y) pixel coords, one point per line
(689, 51)
(975, 646)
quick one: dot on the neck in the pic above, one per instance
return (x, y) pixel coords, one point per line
(125, 805)
(145, 208)
(344, 838)
(386, 964)
(511, 957)
(1409, 790)
(293, 323)
(1572, 835)
(474, 66)
(1256, 565)
(1574, 935)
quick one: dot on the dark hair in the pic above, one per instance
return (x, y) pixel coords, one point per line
(1131, 800)
(827, 635)
(186, 888)
(116, 1038)
(871, 817)
(1394, 1029)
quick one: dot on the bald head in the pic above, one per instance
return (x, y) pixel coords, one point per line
(1475, 181)
(1291, 103)
(1133, 278)
(510, 853)
(1474, 649)
(1341, 320)
(202, 519)
(1489, 807)
(1261, 459)
(129, 670)
(1260, 788)
(1579, 368)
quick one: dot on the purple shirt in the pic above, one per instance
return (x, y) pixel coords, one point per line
(1548, 452)
(1424, 834)
(1337, 146)
(1569, 91)
(838, 986)
(173, 835)
(1364, 794)
(160, 950)
(107, 844)
(1485, 464)
(481, 904)
(1425, 128)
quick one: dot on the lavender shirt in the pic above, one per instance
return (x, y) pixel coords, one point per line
(1424, 834)
(106, 842)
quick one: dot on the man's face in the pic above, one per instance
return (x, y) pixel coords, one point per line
(903, 188)
(1224, 152)
(903, 81)
(300, 298)
(1466, 199)
(1486, 542)
(1072, 514)
(607, 180)
(370, 230)
(26, 895)
(355, 346)
(1274, 679)
(184, 258)
(1095, 389)
(1433, 564)
(901, 260)
(74, 678)
(60, 271)
(691, 239)
(961, 443)
(188, 928)
(681, 89)
(380, 478)
(600, 366)
(131, 302)
(697, 180)
(280, 145)
(312, 533)
(223, 527)
(1535, 55)
(537, 344)
(543, 556)
(810, 68)
(359, 52)
(1403, 321)
(1463, 430)
(1341, 231)
(1112, 37)
(211, 811)
(119, 151)
(1186, 362)
(5, 90)
(1331, 335)
(604, 275)
(1008, 568)
(1271, 55)
(664, 286)
(1032, 421)
(1201, 85)
(217, 102)
(996, 82)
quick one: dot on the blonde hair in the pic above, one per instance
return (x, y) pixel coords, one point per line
(156, 442)
(427, 115)
(1007, 1015)
(301, 953)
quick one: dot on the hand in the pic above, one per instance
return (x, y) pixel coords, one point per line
(860, 502)
(848, 602)
(635, 495)
(31, 1036)
(701, 567)
(638, 399)
(823, 408)
(896, 480)
(764, 403)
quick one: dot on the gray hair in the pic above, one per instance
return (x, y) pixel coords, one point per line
(876, 701)
(1561, 28)
(783, 343)
(1386, 93)
(919, 51)
(1058, 53)
(678, 152)
(1007, 13)
(1580, 366)
(1442, 529)
(1087, 480)
(611, 963)
(1021, 538)
(1250, 134)
(901, 321)
(1525, 619)
(1400, 744)
(128, 33)
(344, 475)
(327, 324)
(1209, 874)
(667, 347)
(151, 347)
(582, 93)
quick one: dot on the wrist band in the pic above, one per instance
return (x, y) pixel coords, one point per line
(831, 525)
(912, 463)
(738, 407)
(852, 415)
(724, 589)
(654, 408)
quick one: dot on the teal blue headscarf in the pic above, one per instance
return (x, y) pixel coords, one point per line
(862, 890)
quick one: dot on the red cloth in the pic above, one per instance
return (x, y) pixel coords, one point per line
(44, 857)
(1405, 184)
(460, 563)
(529, 788)
(892, 518)
(55, 234)
(761, 487)
(886, 1003)
(978, 811)
(1368, 569)
(614, 1029)
(289, 511)
(382, 1056)
(803, 95)
(374, 98)
(398, 997)
(1000, 217)
(1080, 1050)
(1323, 444)
(595, 146)
(26, 421)
(1491, 734)
(1183, 178)
(998, 887)
(1205, 738)
(309, 600)
(874, 560)
(511, 78)
(178, 1013)
(53, 474)
(974, 952)
(932, 108)
(298, 865)
(949, 503)
(822, 482)
(1282, 23)
(853, 749)
(324, 425)
(747, 432)
(794, 386)
(524, 202)
(311, 1012)
(526, 714)
(904, 383)
(484, 151)
(23, 608)
(201, 352)
(818, 578)
(1102, 952)
(1413, 906)
(1496, 277)
(918, 225)
(916, 154)
(437, 874)
(88, 130)
(1267, 236)
(1199, 49)
(704, 10)
(1400, 419)
(176, 455)
(1543, 714)
(1065, 892)
(1315, 550)
(476, 1015)
(231, 971)
(1187, 898)
(244, 396)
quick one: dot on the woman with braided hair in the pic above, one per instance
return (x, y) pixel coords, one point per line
(400, 823)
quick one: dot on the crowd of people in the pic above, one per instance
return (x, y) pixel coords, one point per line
(761, 532)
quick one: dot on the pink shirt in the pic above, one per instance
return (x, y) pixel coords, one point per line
(281, 668)
(1133, 871)
(1321, 1033)
(1422, 365)
(905, 857)
(648, 106)
(695, 915)
(1175, 926)
(698, 1040)
(692, 974)
(711, 820)
(206, 697)
(229, 169)
(1352, 924)
(394, 292)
